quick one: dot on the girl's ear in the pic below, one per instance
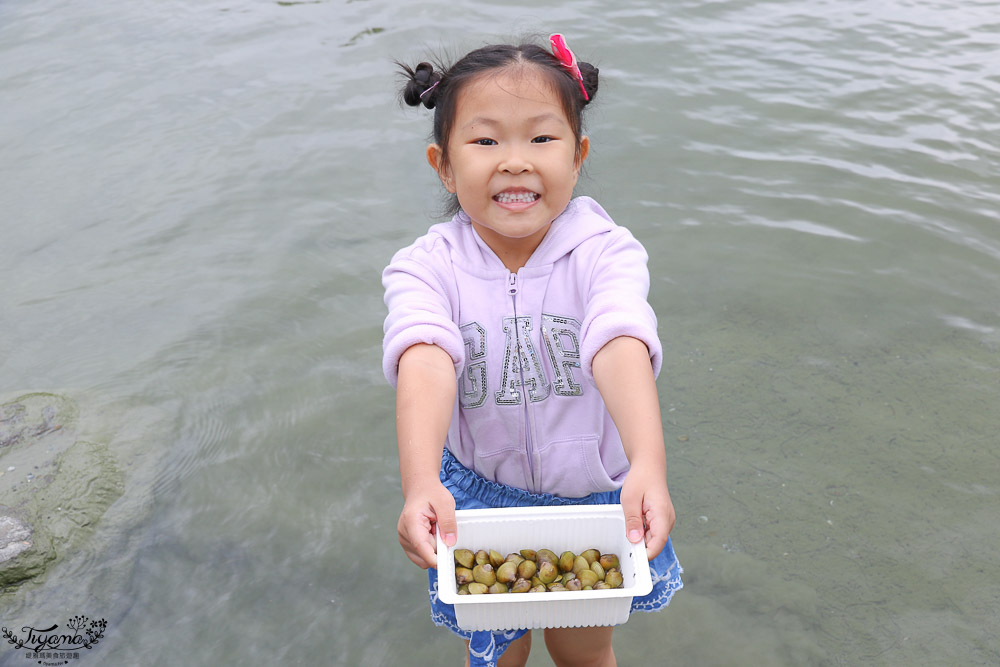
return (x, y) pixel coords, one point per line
(583, 152)
(435, 158)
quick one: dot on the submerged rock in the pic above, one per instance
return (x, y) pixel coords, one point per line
(54, 487)
(15, 537)
(33, 416)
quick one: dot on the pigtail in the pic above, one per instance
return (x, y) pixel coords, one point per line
(589, 74)
(421, 85)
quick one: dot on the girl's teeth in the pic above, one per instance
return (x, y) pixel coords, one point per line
(516, 197)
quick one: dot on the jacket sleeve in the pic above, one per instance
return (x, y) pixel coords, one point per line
(420, 310)
(617, 301)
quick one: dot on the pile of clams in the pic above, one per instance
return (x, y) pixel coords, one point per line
(481, 572)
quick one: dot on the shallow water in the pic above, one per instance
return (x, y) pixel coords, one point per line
(197, 200)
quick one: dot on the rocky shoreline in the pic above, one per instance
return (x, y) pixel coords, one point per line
(54, 486)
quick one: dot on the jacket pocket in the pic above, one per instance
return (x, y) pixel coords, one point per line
(508, 465)
(573, 467)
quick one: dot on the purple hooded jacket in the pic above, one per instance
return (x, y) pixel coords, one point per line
(527, 412)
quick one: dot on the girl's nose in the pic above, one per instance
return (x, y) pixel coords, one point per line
(514, 162)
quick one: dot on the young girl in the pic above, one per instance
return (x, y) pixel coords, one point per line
(519, 338)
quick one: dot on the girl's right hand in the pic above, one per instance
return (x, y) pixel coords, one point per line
(425, 510)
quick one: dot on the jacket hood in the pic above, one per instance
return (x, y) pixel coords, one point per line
(582, 219)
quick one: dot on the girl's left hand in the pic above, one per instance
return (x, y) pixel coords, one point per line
(648, 509)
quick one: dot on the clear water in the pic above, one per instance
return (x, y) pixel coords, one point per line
(196, 201)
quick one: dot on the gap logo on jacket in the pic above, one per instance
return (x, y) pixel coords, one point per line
(522, 368)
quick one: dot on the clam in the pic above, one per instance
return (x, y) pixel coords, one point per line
(506, 573)
(484, 574)
(587, 577)
(465, 558)
(521, 586)
(526, 569)
(566, 559)
(547, 572)
(547, 555)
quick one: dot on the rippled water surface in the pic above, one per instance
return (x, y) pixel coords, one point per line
(196, 201)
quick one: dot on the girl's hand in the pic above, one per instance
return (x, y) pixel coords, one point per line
(648, 510)
(424, 510)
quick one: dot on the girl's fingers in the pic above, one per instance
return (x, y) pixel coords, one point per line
(631, 502)
(416, 528)
(446, 523)
(417, 558)
(426, 549)
(419, 555)
(656, 539)
(417, 539)
(411, 531)
(659, 526)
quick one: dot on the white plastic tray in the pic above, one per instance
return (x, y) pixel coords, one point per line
(564, 528)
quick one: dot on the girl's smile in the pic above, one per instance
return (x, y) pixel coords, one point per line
(513, 160)
(514, 197)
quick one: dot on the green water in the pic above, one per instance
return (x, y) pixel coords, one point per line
(196, 202)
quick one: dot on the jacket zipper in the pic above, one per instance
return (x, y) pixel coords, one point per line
(512, 291)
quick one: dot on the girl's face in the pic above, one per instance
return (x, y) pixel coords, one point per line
(513, 160)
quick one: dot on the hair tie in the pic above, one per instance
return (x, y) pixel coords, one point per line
(568, 60)
(432, 87)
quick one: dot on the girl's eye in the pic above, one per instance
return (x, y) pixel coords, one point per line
(485, 142)
(541, 140)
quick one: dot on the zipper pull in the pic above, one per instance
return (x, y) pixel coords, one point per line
(512, 284)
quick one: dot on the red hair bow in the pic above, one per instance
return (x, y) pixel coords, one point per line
(568, 60)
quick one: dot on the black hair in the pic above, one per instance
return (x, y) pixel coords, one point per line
(439, 88)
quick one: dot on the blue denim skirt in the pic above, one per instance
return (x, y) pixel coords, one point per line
(474, 492)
